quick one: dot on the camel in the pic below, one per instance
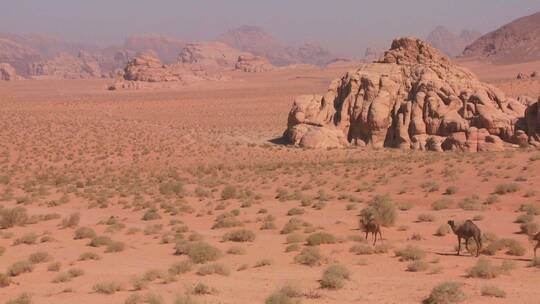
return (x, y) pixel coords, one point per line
(537, 239)
(373, 226)
(467, 231)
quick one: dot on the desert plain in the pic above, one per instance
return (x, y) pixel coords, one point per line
(188, 195)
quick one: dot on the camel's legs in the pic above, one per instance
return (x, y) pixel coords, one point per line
(459, 245)
(478, 246)
(467, 244)
(380, 234)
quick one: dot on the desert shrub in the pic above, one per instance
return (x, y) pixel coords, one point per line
(294, 238)
(89, 256)
(361, 249)
(241, 235)
(310, 256)
(109, 287)
(214, 268)
(263, 262)
(291, 290)
(54, 266)
(405, 206)
(151, 215)
(292, 247)
(180, 267)
(529, 229)
(39, 257)
(71, 221)
(410, 253)
(198, 252)
(417, 266)
(62, 278)
(382, 248)
(235, 250)
(493, 291)
(185, 299)
(23, 298)
(502, 189)
(268, 225)
(171, 188)
(531, 209)
(19, 268)
(229, 192)
(492, 199)
(319, 238)
(334, 277)
(471, 203)
(11, 217)
(99, 241)
(430, 186)
(27, 239)
(443, 230)
(295, 211)
(84, 233)
(524, 218)
(280, 298)
(446, 293)
(5, 280)
(451, 190)
(441, 204)
(292, 225)
(202, 289)
(382, 209)
(425, 217)
(115, 246)
(483, 269)
(226, 220)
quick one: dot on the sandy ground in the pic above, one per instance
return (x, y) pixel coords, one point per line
(192, 154)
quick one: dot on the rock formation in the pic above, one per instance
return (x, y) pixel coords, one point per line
(532, 118)
(66, 66)
(166, 48)
(414, 97)
(210, 55)
(450, 43)
(253, 64)
(7, 72)
(516, 42)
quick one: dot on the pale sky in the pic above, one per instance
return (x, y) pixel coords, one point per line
(344, 26)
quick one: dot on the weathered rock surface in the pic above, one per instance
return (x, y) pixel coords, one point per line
(532, 119)
(253, 64)
(414, 97)
(166, 48)
(7, 72)
(66, 66)
(210, 55)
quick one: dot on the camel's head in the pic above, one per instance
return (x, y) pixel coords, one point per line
(451, 223)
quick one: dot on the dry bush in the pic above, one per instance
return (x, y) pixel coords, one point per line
(263, 263)
(23, 298)
(180, 267)
(202, 289)
(27, 239)
(39, 257)
(295, 211)
(235, 250)
(334, 277)
(11, 217)
(84, 233)
(198, 252)
(530, 209)
(486, 270)
(502, 189)
(446, 293)
(54, 266)
(441, 204)
(185, 299)
(214, 268)
(99, 241)
(241, 235)
(71, 221)
(361, 249)
(294, 224)
(109, 287)
(418, 266)
(382, 209)
(493, 291)
(310, 256)
(19, 268)
(5, 280)
(443, 230)
(89, 256)
(425, 217)
(410, 253)
(151, 215)
(319, 238)
(115, 246)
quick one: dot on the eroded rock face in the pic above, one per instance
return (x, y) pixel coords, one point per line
(209, 54)
(66, 66)
(414, 97)
(7, 72)
(532, 118)
(253, 64)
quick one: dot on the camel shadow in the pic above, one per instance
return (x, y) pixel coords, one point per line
(282, 141)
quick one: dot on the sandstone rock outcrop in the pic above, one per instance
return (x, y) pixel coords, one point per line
(413, 98)
(66, 66)
(532, 119)
(215, 55)
(253, 64)
(7, 72)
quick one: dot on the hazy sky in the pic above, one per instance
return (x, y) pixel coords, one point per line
(346, 26)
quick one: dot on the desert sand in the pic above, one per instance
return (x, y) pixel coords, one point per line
(152, 168)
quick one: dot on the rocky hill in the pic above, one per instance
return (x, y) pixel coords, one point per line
(415, 97)
(166, 48)
(516, 42)
(450, 43)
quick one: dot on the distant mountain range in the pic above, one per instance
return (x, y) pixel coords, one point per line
(450, 43)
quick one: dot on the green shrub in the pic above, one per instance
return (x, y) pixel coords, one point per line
(334, 277)
(446, 293)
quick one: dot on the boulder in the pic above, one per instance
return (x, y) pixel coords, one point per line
(413, 97)
(253, 64)
(7, 72)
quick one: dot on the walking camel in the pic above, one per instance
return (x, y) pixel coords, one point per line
(467, 231)
(371, 226)
(537, 239)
